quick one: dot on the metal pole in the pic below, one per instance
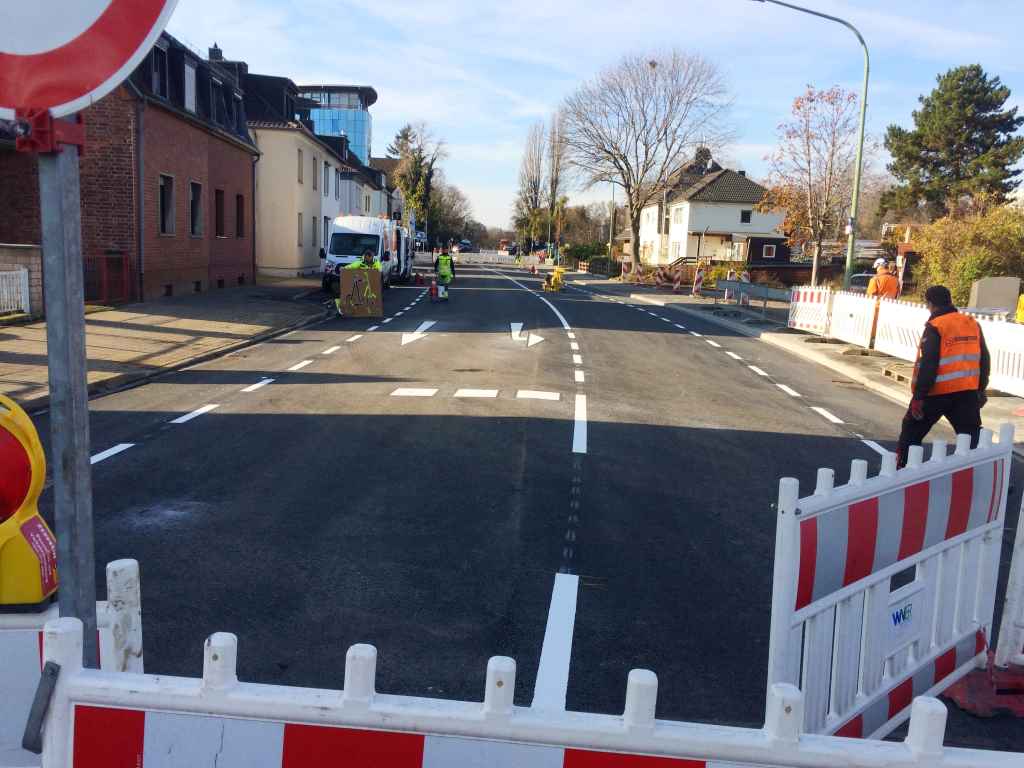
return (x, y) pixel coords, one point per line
(60, 204)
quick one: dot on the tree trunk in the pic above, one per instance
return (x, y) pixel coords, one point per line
(634, 228)
(814, 263)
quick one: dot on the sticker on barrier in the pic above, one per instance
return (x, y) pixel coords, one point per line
(810, 309)
(884, 588)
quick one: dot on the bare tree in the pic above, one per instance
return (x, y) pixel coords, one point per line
(529, 199)
(636, 123)
(554, 161)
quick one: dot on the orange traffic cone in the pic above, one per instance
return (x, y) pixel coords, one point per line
(433, 288)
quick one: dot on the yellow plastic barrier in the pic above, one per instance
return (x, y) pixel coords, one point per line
(28, 549)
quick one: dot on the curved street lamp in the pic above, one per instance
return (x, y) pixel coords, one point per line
(851, 227)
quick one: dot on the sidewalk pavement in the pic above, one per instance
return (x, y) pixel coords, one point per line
(136, 342)
(880, 373)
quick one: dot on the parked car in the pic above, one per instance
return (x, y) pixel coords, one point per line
(465, 246)
(421, 241)
(859, 282)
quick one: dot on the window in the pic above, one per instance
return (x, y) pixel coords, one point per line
(744, 217)
(239, 216)
(314, 228)
(677, 215)
(315, 169)
(337, 184)
(366, 203)
(190, 86)
(768, 252)
(195, 209)
(300, 168)
(300, 229)
(166, 205)
(675, 251)
(327, 229)
(218, 212)
(327, 180)
(160, 72)
(216, 102)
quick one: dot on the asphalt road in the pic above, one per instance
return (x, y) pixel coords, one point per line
(423, 496)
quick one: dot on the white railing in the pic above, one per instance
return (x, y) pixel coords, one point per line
(853, 318)
(14, 290)
(1005, 343)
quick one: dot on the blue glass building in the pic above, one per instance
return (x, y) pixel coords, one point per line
(344, 110)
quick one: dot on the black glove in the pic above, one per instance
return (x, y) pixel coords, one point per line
(982, 398)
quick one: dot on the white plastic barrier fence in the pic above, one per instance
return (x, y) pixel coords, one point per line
(853, 318)
(859, 644)
(1005, 343)
(810, 309)
(14, 290)
(1011, 630)
(111, 720)
(899, 329)
(21, 653)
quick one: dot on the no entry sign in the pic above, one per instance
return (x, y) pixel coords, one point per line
(63, 56)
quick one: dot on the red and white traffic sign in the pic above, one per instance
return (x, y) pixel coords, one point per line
(64, 56)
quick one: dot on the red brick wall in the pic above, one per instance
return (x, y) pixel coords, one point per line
(231, 170)
(19, 198)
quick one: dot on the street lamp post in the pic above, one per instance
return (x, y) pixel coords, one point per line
(851, 227)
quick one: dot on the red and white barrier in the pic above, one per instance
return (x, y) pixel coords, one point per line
(810, 309)
(1010, 650)
(111, 720)
(119, 620)
(858, 649)
(853, 318)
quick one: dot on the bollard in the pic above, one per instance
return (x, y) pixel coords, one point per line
(501, 687)
(360, 675)
(220, 659)
(927, 727)
(784, 715)
(641, 699)
(124, 605)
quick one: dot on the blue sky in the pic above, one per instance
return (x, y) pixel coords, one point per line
(480, 72)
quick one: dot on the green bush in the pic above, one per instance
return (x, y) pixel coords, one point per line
(585, 251)
(721, 272)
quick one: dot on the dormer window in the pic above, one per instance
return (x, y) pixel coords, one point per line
(159, 81)
(190, 86)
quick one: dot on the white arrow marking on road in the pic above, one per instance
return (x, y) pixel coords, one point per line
(419, 333)
(534, 339)
(517, 331)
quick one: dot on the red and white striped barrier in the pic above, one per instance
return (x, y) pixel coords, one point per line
(698, 282)
(21, 649)
(810, 309)
(854, 640)
(1011, 629)
(103, 720)
(853, 318)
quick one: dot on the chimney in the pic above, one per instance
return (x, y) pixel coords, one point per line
(742, 173)
(216, 54)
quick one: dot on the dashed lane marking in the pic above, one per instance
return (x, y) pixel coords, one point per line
(414, 392)
(194, 414)
(698, 335)
(300, 366)
(534, 394)
(788, 390)
(665, 320)
(757, 370)
(399, 314)
(733, 355)
(574, 346)
(386, 320)
(579, 427)
(680, 327)
(827, 414)
(579, 377)
(372, 328)
(350, 339)
(552, 680)
(476, 393)
(97, 458)
(332, 350)
(571, 335)
(577, 359)
(713, 343)
(257, 385)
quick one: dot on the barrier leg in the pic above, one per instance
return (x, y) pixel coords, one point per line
(62, 643)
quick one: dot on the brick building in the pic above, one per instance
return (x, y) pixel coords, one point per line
(167, 180)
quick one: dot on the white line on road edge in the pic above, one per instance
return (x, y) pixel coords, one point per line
(476, 393)
(552, 307)
(694, 333)
(875, 447)
(533, 394)
(414, 392)
(300, 366)
(757, 370)
(665, 320)
(713, 343)
(194, 414)
(372, 328)
(577, 359)
(680, 327)
(733, 355)
(574, 346)
(827, 414)
(332, 350)
(553, 671)
(788, 390)
(257, 385)
(579, 427)
(641, 297)
(579, 377)
(110, 452)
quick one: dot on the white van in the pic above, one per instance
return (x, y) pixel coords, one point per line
(351, 236)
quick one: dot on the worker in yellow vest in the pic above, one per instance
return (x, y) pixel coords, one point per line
(444, 267)
(950, 375)
(1020, 309)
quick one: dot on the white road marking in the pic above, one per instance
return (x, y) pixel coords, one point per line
(579, 376)
(680, 327)
(350, 339)
(713, 343)
(516, 330)
(300, 366)
(194, 414)
(733, 355)
(386, 320)
(788, 390)
(533, 339)
(110, 452)
(552, 307)
(577, 359)
(757, 370)
(665, 320)
(694, 333)
(641, 297)
(476, 393)
(875, 447)
(579, 427)
(553, 671)
(533, 394)
(332, 350)
(574, 346)
(419, 333)
(372, 328)
(414, 392)
(257, 385)
(827, 414)
(571, 335)
(399, 314)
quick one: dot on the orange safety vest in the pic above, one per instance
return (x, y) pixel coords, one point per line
(959, 354)
(886, 286)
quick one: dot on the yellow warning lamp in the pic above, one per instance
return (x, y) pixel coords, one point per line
(28, 549)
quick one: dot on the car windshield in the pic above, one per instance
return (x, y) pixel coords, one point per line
(352, 244)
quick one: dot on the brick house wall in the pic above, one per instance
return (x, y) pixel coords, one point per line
(30, 257)
(230, 170)
(19, 198)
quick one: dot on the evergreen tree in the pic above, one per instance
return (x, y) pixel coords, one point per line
(962, 145)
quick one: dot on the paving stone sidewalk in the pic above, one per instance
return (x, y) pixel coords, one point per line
(138, 341)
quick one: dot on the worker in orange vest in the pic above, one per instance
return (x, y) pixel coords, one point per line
(884, 284)
(950, 375)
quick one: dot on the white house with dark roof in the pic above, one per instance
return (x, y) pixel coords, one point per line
(709, 213)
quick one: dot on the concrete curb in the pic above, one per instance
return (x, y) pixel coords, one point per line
(39, 405)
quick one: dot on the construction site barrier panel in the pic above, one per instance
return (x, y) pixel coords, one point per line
(853, 318)
(810, 309)
(1010, 649)
(126, 720)
(884, 588)
(21, 653)
(1006, 348)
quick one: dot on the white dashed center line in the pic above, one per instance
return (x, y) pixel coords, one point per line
(665, 320)
(332, 350)
(386, 321)
(399, 314)
(680, 327)
(194, 414)
(533, 394)
(579, 376)
(476, 393)
(827, 414)
(788, 390)
(372, 328)
(577, 359)
(110, 452)
(694, 333)
(350, 339)
(300, 366)
(733, 355)
(257, 385)
(571, 335)
(757, 370)
(579, 429)
(414, 392)
(574, 346)
(713, 343)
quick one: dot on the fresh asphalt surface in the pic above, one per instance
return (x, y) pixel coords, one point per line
(320, 509)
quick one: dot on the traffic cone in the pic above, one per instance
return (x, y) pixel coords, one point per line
(433, 288)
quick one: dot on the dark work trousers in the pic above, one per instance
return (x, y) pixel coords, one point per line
(961, 409)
